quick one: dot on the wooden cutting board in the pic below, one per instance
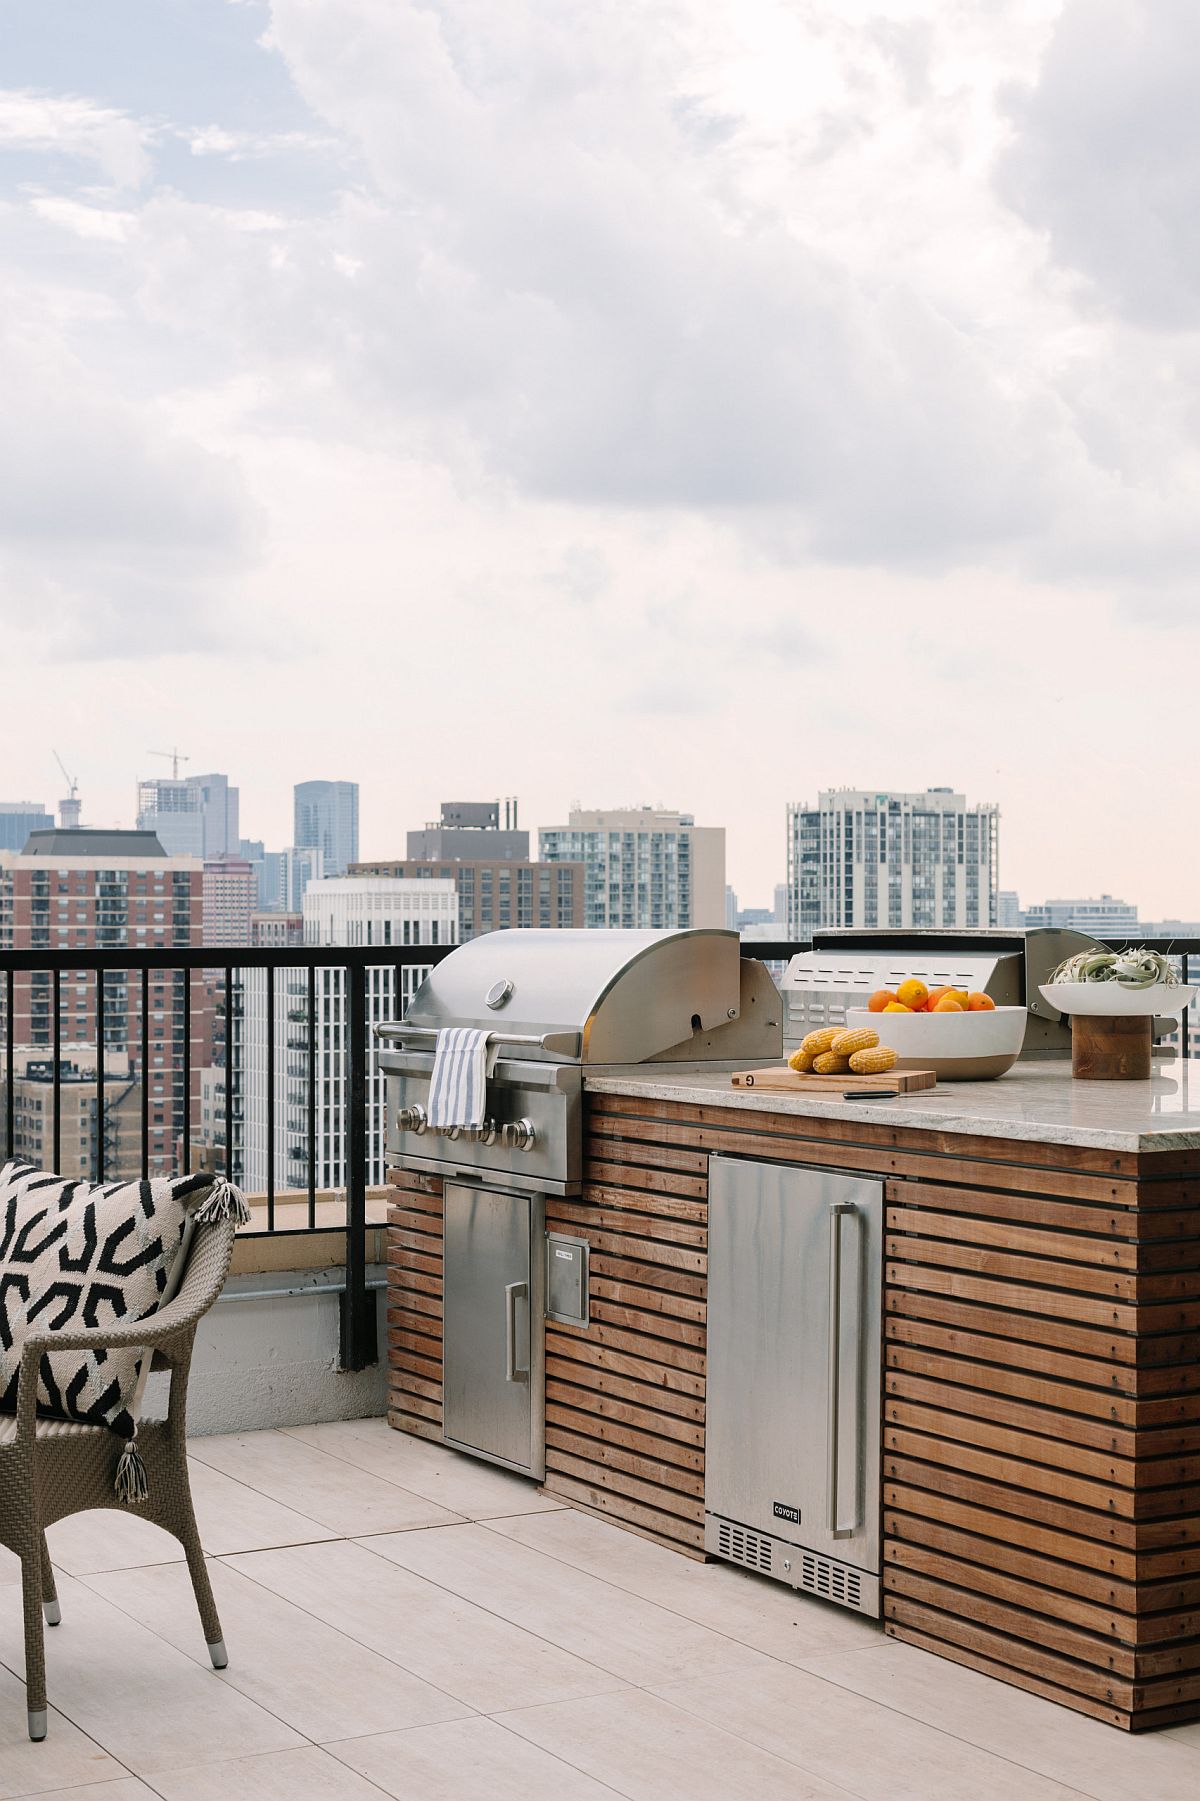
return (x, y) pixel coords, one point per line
(792, 1082)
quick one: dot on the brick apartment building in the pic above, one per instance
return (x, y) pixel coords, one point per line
(100, 890)
(496, 893)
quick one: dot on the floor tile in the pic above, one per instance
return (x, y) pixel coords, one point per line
(473, 1758)
(650, 1751)
(134, 1694)
(876, 1753)
(466, 1485)
(306, 1673)
(125, 1788)
(340, 1495)
(65, 1759)
(767, 1615)
(631, 1638)
(231, 1517)
(459, 1648)
(1084, 1754)
(307, 1775)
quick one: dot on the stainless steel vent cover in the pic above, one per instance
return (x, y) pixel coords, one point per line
(807, 1570)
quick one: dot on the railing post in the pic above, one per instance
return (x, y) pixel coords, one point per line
(358, 1337)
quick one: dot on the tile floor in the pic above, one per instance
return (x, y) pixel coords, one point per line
(406, 1622)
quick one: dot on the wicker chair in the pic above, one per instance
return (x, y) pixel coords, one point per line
(49, 1469)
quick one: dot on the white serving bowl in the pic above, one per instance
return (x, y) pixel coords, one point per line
(959, 1047)
(1108, 1000)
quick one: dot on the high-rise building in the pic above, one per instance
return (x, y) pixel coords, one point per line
(643, 867)
(494, 896)
(731, 908)
(358, 910)
(1102, 916)
(192, 816)
(470, 831)
(779, 911)
(20, 817)
(326, 819)
(1008, 909)
(862, 858)
(83, 890)
(230, 898)
(173, 809)
(285, 877)
(219, 806)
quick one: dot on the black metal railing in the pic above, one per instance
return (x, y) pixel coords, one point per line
(112, 978)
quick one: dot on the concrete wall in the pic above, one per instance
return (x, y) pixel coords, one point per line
(267, 1355)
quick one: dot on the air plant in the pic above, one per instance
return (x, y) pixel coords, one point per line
(1129, 969)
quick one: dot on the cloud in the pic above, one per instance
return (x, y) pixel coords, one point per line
(115, 531)
(70, 125)
(1106, 159)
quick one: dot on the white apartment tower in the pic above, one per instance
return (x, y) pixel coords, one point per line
(862, 858)
(339, 910)
(644, 867)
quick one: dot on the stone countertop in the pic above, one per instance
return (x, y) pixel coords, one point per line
(1036, 1102)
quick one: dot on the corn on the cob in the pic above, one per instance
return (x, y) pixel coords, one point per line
(860, 1038)
(873, 1061)
(819, 1042)
(829, 1065)
(801, 1061)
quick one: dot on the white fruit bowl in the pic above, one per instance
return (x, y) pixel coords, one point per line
(959, 1047)
(1108, 1000)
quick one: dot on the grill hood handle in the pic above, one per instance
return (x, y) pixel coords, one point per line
(558, 1044)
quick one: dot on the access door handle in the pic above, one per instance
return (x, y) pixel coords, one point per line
(837, 1213)
(512, 1293)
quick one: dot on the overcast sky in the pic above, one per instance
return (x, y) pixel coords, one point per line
(701, 402)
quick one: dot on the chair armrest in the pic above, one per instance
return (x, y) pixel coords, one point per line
(148, 1334)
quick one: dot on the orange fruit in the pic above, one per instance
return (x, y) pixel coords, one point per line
(935, 995)
(897, 1007)
(912, 993)
(980, 1003)
(879, 1000)
(948, 1004)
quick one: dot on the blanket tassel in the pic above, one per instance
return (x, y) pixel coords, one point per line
(224, 1202)
(130, 1484)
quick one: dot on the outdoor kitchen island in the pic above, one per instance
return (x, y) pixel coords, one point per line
(1039, 1464)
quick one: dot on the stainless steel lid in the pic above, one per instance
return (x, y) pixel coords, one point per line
(597, 997)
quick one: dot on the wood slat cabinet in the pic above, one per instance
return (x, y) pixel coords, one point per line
(1041, 1375)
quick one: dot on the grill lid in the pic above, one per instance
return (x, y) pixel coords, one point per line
(599, 997)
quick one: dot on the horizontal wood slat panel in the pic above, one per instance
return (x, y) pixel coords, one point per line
(414, 1303)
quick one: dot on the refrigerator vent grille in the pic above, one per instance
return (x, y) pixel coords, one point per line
(831, 1580)
(744, 1547)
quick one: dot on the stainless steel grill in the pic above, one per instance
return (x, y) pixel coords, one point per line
(558, 1003)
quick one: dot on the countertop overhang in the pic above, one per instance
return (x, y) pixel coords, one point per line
(1038, 1102)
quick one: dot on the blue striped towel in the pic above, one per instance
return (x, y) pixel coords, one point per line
(462, 1063)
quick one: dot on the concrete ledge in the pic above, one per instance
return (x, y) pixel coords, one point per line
(267, 1353)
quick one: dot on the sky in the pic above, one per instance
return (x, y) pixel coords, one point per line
(698, 403)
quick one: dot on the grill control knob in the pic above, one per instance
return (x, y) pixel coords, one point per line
(519, 1135)
(486, 1133)
(411, 1119)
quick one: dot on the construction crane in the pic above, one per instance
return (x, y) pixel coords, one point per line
(70, 808)
(176, 757)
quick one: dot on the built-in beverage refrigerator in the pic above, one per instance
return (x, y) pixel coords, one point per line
(793, 1411)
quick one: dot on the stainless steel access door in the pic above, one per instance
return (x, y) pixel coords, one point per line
(493, 1351)
(792, 1435)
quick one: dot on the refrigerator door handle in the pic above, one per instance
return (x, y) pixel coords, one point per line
(512, 1292)
(837, 1212)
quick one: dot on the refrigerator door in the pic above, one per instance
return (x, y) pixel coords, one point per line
(794, 1298)
(492, 1355)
